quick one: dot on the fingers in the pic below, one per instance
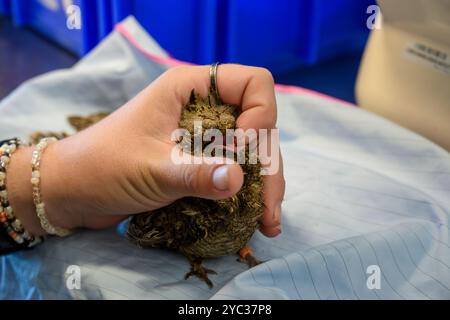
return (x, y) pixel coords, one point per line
(211, 178)
(274, 187)
(252, 88)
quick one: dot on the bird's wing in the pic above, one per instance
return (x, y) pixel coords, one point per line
(183, 222)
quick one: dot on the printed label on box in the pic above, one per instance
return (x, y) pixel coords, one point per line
(436, 58)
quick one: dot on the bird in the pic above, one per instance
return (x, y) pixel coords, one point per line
(200, 228)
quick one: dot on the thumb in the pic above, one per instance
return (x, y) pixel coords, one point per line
(209, 178)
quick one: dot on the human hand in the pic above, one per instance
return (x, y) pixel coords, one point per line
(122, 165)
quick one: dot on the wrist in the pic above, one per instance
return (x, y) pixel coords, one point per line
(55, 188)
(19, 191)
(52, 189)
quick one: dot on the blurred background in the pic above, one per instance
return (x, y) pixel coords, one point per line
(316, 44)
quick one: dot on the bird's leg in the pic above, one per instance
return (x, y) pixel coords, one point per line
(198, 270)
(246, 256)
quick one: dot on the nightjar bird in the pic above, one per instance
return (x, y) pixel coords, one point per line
(201, 228)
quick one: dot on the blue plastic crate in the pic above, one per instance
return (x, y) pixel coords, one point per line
(281, 35)
(286, 34)
(186, 29)
(342, 27)
(54, 19)
(5, 7)
(104, 14)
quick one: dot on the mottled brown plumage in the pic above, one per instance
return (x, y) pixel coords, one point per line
(77, 122)
(200, 228)
(80, 123)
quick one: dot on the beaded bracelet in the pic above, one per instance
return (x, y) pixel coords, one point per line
(36, 184)
(12, 225)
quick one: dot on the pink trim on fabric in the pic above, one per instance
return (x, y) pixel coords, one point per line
(174, 62)
(159, 59)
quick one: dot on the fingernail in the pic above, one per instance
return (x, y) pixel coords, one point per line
(220, 178)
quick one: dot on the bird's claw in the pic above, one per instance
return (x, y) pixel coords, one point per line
(200, 272)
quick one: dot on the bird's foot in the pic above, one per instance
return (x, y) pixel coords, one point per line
(246, 256)
(198, 270)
